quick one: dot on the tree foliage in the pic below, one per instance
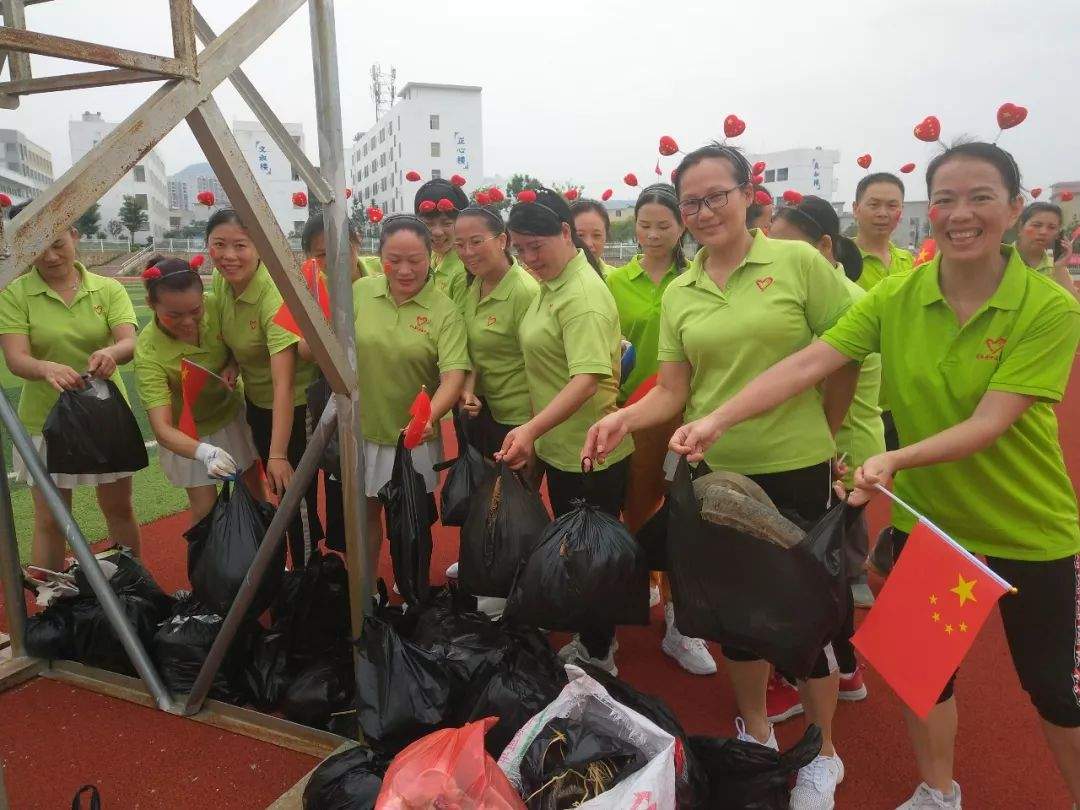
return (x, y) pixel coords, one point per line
(133, 216)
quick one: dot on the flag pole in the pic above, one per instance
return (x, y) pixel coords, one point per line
(203, 368)
(941, 533)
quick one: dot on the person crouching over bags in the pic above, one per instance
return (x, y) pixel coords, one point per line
(59, 321)
(571, 342)
(188, 384)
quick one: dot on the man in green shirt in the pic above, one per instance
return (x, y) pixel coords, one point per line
(879, 204)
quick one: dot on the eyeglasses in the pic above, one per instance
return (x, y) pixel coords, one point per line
(475, 243)
(714, 202)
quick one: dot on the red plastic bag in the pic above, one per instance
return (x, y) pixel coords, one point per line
(448, 769)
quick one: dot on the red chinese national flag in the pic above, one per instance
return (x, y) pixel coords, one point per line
(420, 411)
(315, 281)
(192, 379)
(927, 252)
(926, 617)
(285, 320)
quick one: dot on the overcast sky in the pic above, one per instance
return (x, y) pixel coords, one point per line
(581, 90)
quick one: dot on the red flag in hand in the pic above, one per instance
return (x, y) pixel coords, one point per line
(927, 252)
(314, 272)
(284, 318)
(926, 617)
(647, 385)
(192, 379)
(420, 411)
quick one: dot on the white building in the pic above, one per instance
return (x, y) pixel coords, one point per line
(25, 167)
(911, 230)
(146, 182)
(273, 171)
(184, 188)
(434, 129)
(808, 171)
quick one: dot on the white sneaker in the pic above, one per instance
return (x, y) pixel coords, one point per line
(575, 651)
(926, 798)
(452, 571)
(815, 787)
(745, 736)
(491, 605)
(690, 653)
(654, 595)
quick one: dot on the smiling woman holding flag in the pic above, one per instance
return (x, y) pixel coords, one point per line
(187, 383)
(975, 349)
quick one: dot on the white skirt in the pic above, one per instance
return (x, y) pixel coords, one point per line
(62, 480)
(234, 439)
(379, 464)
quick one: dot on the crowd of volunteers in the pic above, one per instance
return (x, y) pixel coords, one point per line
(780, 350)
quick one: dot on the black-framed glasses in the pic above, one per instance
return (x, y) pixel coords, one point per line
(714, 202)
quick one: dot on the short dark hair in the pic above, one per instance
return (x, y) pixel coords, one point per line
(740, 166)
(979, 150)
(316, 225)
(596, 207)
(176, 276)
(223, 216)
(404, 222)
(440, 189)
(1040, 208)
(878, 177)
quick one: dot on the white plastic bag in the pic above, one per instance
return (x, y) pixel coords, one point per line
(583, 699)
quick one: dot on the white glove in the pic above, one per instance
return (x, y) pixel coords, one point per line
(219, 464)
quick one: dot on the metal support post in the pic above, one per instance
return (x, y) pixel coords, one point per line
(10, 569)
(181, 15)
(264, 557)
(70, 530)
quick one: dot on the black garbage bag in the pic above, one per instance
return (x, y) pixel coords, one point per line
(570, 763)
(222, 546)
(319, 621)
(410, 512)
(782, 604)
(267, 673)
(466, 474)
(466, 641)
(653, 537)
(318, 395)
(129, 577)
(322, 688)
(691, 781)
(404, 690)
(48, 633)
(93, 641)
(92, 431)
(748, 776)
(585, 572)
(182, 643)
(527, 677)
(506, 521)
(349, 780)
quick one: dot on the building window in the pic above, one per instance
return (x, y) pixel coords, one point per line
(174, 223)
(365, 149)
(382, 159)
(140, 174)
(436, 150)
(141, 200)
(295, 175)
(298, 227)
(436, 174)
(770, 175)
(781, 174)
(399, 150)
(382, 185)
(382, 135)
(433, 121)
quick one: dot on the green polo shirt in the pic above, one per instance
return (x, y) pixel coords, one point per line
(1013, 499)
(874, 269)
(157, 371)
(60, 333)
(638, 300)
(401, 348)
(571, 328)
(247, 325)
(494, 346)
(369, 266)
(862, 434)
(606, 269)
(774, 304)
(1046, 266)
(450, 277)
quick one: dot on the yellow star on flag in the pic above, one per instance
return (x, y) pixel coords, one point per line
(963, 627)
(948, 629)
(965, 589)
(936, 617)
(933, 599)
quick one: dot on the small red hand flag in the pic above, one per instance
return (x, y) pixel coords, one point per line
(927, 252)
(193, 378)
(647, 385)
(925, 619)
(420, 411)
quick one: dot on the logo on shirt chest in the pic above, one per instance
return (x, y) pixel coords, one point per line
(491, 320)
(993, 349)
(253, 325)
(100, 309)
(420, 324)
(764, 283)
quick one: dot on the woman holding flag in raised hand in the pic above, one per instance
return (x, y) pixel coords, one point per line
(993, 347)
(188, 384)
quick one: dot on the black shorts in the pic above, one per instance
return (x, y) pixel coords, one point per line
(1042, 628)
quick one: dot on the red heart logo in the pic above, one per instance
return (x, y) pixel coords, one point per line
(734, 126)
(606, 195)
(759, 167)
(929, 129)
(444, 205)
(864, 160)
(1010, 115)
(792, 196)
(426, 207)
(496, 194)
(907, 168)
(630, 179)
(1035, 192)
(571, 194)
(299, 199)
(761, 197)
(1066, 196)
(668, 146)
(491, 320)
(205, 198)
(412, 176)
(526, 196)
(764, 283)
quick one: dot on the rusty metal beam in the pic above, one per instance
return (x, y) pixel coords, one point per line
(15, 19)
(232, 171)
(77, 81)
(103, 166)
(273, 126)
(24, 42)
(181, 15)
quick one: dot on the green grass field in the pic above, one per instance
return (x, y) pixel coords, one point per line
(154, 496)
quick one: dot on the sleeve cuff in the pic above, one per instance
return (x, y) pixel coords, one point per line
(1046, 394)
(845, 349)
(590, 368)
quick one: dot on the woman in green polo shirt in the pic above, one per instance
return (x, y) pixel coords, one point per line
(313, 243)
(496, 393)
(745, 302)
(1039, 234)
(571, 341)
(408, 335)
(593, 227)
(975, 350)
(275, 379)
(437, 203)
(187, 326)
(59, 321)
(638, 286)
